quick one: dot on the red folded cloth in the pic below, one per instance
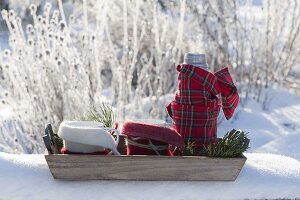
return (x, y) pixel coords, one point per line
(147, 139)
(66, 151)
(197, 103)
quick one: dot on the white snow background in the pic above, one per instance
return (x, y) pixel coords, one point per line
(272, 169)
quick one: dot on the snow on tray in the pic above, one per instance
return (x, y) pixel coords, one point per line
(264, 176)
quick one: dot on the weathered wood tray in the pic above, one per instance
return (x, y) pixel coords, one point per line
(148, 168)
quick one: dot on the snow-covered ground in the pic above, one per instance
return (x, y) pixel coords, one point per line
(271, 171)
(276, 130)
(265, 176)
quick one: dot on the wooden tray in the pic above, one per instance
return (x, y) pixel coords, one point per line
(148, 168)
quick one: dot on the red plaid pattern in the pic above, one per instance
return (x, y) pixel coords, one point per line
(198, 100)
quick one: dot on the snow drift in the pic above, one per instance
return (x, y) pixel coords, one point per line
(264, 176)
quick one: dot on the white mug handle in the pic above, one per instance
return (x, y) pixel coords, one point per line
(117, 134)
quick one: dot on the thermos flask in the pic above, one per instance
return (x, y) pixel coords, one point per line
(197, 60)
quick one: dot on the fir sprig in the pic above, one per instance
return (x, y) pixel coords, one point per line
(233, 144)
(58, 141)
(103, 114)
(189, 149)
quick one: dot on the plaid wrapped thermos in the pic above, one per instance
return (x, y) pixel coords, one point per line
(197, 103)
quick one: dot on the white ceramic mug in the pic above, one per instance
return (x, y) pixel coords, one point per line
(88, 136)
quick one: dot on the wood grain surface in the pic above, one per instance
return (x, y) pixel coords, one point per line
(149, 168)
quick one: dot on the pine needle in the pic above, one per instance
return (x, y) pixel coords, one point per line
(233, 144)
(189, 149)
(104, 114)
(58, 141)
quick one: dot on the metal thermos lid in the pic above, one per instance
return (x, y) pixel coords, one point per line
(195, 59)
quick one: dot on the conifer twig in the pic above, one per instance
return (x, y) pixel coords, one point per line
(104, 114)
(233, 144)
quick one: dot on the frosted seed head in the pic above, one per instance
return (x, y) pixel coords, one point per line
(7, 52)
(39, 18)
(18, 19)
(4, 14)
(52, 21)
(47, 6)
(29, 28)
(55, 13)
(62, 25)
(47, 52)
(12, 40)
(33, 7)
(71, 18)
(11, 13)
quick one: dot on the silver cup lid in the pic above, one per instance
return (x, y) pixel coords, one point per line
(195, 59)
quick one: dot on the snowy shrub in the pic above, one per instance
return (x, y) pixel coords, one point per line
(59, 67)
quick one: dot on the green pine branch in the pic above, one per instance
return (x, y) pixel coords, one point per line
(189, 149)
(104, 114)
(233, 144)
(58, 141)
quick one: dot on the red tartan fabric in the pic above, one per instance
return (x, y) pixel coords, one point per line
(198, 100)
